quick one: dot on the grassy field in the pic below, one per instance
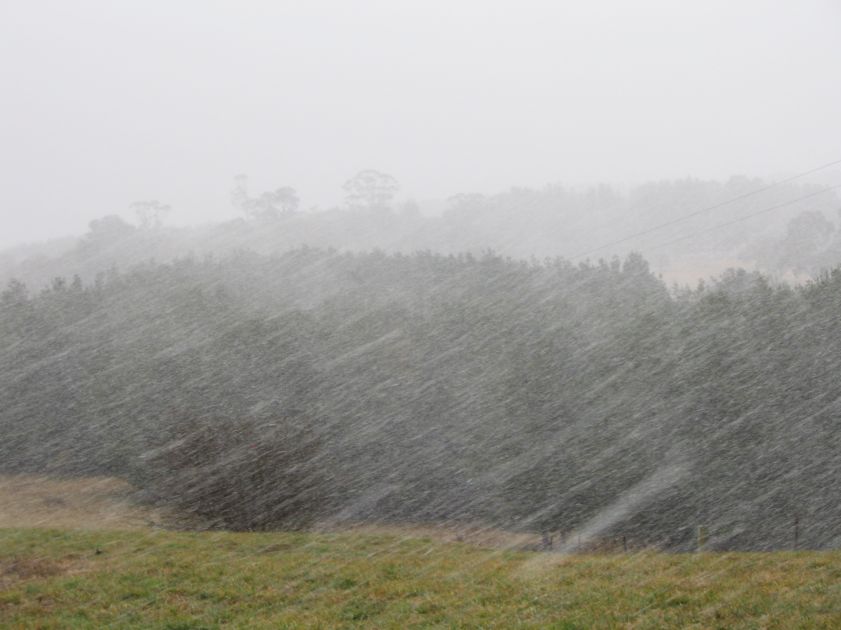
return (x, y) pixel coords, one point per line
(160, 579)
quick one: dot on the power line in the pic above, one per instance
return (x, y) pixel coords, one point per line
(707, 209)
(744, 218)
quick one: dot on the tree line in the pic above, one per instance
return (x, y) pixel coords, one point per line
(257, 391)
(551, 221)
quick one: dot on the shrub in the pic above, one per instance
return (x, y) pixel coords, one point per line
(240, 475)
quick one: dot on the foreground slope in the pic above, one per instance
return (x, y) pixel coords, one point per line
(52, 578)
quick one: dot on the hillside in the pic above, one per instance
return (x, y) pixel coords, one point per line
(257, 392)
(798, 236)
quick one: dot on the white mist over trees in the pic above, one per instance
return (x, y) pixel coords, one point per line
(539, 267)
(109, 103)
(796, 238)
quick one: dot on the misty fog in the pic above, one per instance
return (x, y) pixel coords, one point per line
(564, 271)
(110, 103)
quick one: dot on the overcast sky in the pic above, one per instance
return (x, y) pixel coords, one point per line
(109, 102)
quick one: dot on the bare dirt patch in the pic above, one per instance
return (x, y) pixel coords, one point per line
(20, 569)
(24, 568)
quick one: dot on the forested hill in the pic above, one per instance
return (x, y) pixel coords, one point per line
(799, 235)
(260, 391)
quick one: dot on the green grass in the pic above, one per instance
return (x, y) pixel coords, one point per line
(75, 579)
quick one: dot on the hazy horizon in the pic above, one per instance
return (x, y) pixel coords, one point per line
(108, 103)
(555, 282)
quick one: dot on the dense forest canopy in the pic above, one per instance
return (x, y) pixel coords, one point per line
(265, 390)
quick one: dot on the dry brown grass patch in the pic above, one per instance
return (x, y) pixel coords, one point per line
(71, 503)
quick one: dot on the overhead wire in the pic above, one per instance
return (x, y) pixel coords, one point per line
(706, 209)
(744, 218)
